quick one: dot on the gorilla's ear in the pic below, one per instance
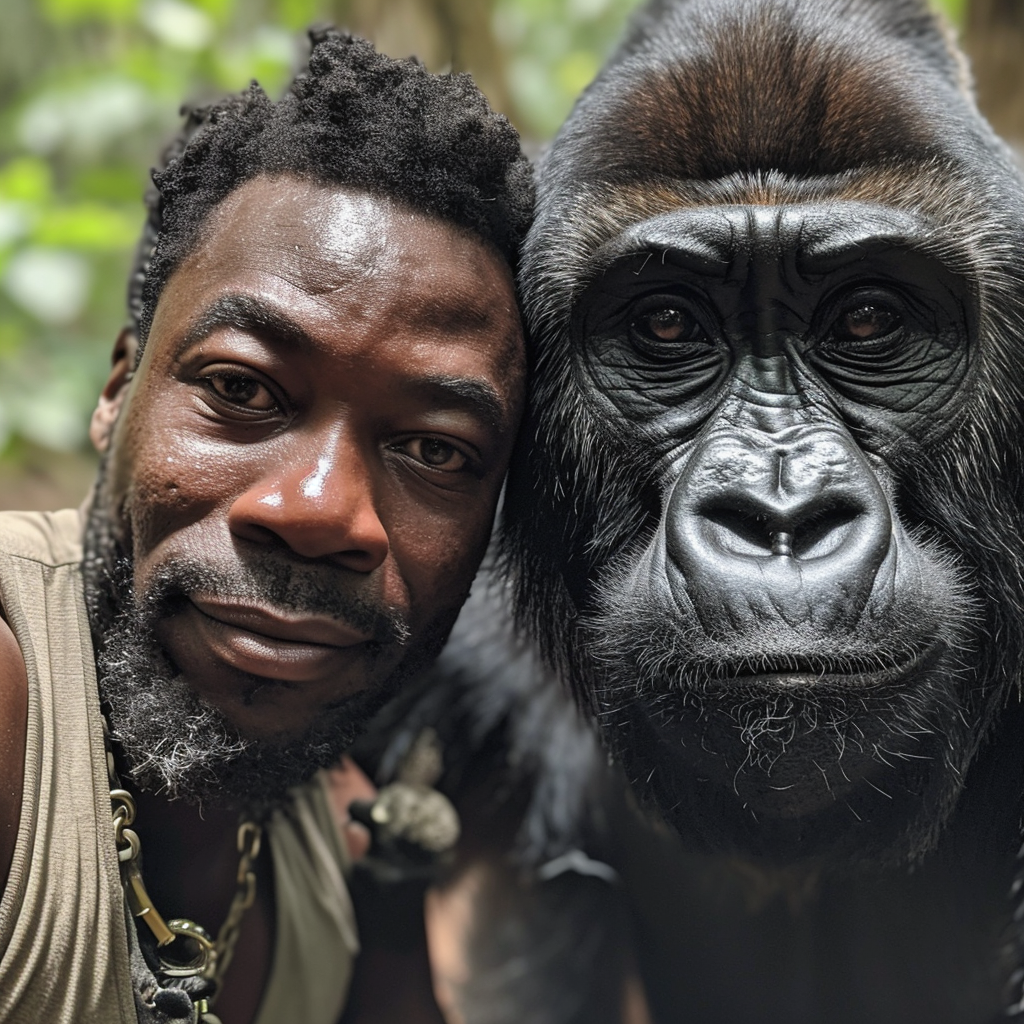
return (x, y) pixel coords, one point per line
(112, 396)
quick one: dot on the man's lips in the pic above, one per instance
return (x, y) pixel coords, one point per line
(276, 625)
(273, 645)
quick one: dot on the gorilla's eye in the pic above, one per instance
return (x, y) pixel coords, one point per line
(665, 332)
(866, 323)
(667, 324)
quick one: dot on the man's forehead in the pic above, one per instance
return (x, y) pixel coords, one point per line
(323, 237)
(297, 219)
(330, 262)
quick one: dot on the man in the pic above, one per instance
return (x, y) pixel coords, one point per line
(300, 467)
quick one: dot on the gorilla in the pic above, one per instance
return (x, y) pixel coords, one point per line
(766, 514)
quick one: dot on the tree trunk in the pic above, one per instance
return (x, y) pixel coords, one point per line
(446, 35)
(994, 40)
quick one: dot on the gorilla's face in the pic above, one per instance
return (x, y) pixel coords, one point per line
(786, 641)
(772, 473)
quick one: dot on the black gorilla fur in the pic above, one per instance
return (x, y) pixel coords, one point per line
(551, 937)
(837, 138)
(766, 514)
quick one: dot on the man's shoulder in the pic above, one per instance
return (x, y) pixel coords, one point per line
(52, 538)
(16, 537)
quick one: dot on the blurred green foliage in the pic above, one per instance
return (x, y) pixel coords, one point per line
(89, 90)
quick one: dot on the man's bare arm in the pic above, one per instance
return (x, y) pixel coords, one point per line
(13, 715)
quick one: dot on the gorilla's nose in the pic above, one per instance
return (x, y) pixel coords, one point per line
(759, 523)
(789, 526)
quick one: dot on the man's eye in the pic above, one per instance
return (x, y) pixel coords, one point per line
(435, 454)
(241, 390)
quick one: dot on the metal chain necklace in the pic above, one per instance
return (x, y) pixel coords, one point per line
(184, 948)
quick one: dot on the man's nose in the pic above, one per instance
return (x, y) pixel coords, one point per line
(320, 505)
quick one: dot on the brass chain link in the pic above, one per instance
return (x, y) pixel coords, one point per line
(250, 836)
(195, 952)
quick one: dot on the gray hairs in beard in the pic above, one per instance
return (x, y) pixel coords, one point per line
(174, 743)
(177, 745)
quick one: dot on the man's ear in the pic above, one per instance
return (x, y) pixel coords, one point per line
(112, 396)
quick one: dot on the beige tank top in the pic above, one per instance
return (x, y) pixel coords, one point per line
(63, 943)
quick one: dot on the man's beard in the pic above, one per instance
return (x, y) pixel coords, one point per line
(178, 745)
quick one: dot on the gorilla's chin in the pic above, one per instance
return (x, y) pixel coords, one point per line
(793, 777)
(786, 745)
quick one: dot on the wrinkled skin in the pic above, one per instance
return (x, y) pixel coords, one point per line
(766, 515)
(750, 353)
(323, 403)
(300, 478)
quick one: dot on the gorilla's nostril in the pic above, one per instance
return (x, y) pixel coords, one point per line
(809, 529)
(742, 531)
(824, 529)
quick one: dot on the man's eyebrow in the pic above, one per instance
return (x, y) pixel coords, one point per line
(250, 314)
(443, 314)
(476, 395)
(246, 313)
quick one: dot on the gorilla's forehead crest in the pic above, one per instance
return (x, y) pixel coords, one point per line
(743, 102)
(754, 86)
(707, 88)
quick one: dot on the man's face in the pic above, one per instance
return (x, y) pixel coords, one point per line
(307, 465)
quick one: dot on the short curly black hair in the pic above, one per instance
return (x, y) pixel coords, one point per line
(352, 117)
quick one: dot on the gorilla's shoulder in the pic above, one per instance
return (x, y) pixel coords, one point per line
(513, 743)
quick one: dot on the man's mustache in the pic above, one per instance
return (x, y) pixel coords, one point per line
(271, 583)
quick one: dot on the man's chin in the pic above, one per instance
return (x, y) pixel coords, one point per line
(175, 744)
(276, 713)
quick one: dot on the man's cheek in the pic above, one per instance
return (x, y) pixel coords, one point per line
(442, 577)
(177, 481)
(158, 506)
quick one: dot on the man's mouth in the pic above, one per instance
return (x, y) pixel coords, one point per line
(273, 644)
(273, 624)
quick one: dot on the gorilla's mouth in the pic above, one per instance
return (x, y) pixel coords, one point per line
(794, 671)
(788, 738)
